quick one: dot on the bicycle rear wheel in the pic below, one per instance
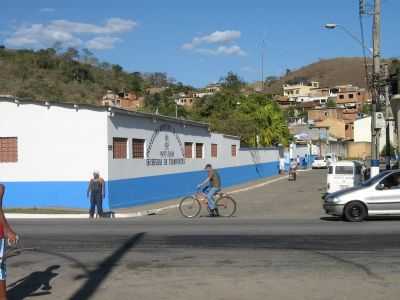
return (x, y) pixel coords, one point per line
(226, 206)
(189, 207)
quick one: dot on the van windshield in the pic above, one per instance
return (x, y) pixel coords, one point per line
(344, 170)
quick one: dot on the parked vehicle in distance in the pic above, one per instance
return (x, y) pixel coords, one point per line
(378, 196)
(319, 163)
(331, 157)
(343, 175)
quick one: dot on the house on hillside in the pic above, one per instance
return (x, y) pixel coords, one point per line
(125, 100)
(352, 97)
(213, 88)
(185, 99)
(302, 89)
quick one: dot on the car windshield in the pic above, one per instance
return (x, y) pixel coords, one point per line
(375, 179)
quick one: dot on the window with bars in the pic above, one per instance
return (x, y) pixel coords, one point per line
(120, 148)
(199, 150)
(8, 149)
(214, 150)
(138, 148)
(188, 150)
(233, 150)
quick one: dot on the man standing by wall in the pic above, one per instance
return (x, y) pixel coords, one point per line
(96, 192)
(282, 165)
(5, 233)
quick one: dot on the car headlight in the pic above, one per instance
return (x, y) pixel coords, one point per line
(332, 200)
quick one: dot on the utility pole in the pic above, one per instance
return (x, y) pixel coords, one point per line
(262, 65)
(376, 88)
(388, 116)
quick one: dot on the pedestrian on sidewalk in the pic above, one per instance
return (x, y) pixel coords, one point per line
(6, 234)
(282, 165)
(96, 192)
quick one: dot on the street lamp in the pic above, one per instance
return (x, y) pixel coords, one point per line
(332, 26)
(395, 104)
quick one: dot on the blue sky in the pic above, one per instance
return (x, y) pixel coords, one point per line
(196, 42)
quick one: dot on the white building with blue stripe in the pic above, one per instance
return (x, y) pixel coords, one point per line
(48, 152)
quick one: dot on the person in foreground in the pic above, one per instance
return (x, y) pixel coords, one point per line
(96, 192)
(211, 186)
(6, 233)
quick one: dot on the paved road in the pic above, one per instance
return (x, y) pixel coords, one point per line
(277, 247)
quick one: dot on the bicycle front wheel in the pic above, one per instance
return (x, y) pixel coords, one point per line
(189, 207)
(226, 206)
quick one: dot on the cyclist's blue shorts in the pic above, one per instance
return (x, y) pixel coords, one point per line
(3, 272)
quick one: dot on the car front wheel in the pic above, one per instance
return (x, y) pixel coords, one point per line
(355, 212)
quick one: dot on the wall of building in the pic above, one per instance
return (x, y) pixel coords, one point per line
(58, 149)
(60, 146)
(362, 133)
(336, 127)
(159, 177)
(359, 150)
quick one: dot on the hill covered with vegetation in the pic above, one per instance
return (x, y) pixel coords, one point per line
(329, 72)
(68, 76)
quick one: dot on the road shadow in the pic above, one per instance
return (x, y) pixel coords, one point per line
(103, 270)
(384, 218)
(369, 219)
(331, 219)
(33, 285)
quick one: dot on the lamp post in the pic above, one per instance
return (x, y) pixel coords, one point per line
(332, 26)
(395, 104)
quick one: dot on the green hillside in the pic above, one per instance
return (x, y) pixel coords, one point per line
(72, 76)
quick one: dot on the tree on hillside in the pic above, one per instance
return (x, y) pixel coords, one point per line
(232, 82)
(248, 117)
(156, 79)
(71, 54)
(117, 69)
(331, 103)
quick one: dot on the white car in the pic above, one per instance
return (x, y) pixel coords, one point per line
(319, 163)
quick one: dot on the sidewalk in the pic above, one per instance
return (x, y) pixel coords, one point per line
(150, 209)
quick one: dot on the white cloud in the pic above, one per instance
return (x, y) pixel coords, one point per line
(221, 40)
(113, 25)
(47, 10)
(102, 43)
(213, 38)
(231, 50)
(38, 35)
(248, 69)
(222, 50)
(70, 34)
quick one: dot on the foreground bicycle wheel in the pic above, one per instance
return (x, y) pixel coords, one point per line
(189, 207)
(226, 206)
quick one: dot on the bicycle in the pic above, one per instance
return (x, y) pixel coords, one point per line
(190, 206)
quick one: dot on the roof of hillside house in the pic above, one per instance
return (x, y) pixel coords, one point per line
(109, 109)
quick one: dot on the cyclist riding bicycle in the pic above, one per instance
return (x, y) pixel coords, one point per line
(211, 186)
(293, 168)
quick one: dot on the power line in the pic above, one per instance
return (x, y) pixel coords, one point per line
(362, 12)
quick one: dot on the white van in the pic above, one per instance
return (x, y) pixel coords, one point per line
(342, 175)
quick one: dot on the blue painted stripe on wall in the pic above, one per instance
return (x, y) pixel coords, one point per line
(138, 191)
(47, 194)
(129, 192)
